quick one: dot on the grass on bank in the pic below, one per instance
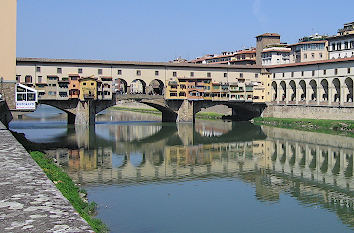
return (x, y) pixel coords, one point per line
(70, 191)
(200, 115)
(341, 127)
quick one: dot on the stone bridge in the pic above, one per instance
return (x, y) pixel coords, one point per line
(83, 112)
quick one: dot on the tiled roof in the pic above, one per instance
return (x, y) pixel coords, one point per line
(132, 63)
(269, 34)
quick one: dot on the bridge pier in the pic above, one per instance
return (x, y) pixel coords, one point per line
(186, 112)
(85, 113)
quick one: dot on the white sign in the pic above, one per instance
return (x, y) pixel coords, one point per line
(26, 105)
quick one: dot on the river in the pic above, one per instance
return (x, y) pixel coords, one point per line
(213, 176)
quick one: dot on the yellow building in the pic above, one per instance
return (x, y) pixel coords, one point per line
(8, 39)
(88, 88)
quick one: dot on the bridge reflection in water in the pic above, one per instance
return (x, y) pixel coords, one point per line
(314, 168)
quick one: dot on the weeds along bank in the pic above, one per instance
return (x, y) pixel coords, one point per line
(70, 190)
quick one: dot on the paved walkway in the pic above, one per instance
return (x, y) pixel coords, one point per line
(29, 201)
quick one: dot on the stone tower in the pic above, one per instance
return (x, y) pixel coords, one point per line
(264, 40)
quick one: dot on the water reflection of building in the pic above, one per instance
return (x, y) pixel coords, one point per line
(312, 168)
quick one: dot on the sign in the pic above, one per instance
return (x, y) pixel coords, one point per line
(26, 105)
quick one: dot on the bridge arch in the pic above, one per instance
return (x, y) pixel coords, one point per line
(293, 90)
(302, 85)
(156, 87)
(313, 94)
(336, 90)
(283, 90)
(121, 86)
(348, 91)
(138, 86)
(324, 90)
(274, 91)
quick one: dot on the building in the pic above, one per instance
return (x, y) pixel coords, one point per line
(264, 40)
(8, 39)
(342, 45)
(306, 51)
(244, 57)
(275, 55)
(88, 88)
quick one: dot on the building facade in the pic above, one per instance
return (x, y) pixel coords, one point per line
(8, 39)
(342, 45)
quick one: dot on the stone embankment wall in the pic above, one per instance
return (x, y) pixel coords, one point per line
(309, 112)
(29, 201)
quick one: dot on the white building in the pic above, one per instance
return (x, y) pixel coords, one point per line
(342, 45)
(275, 55)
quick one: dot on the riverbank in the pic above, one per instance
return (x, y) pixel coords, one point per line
(339, 127)
(199, 115)
(29, 201)
(70, 191)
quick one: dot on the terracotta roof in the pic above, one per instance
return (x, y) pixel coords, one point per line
(132, 63)
(309, 42)
(312, 62)
(246, 51)
(269, 34)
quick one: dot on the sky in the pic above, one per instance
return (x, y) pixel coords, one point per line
(162, 30)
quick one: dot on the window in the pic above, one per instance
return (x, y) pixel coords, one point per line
(18, 78)
(339, 46)
(99, 71)
(138, 72)
(92, 84)
(321, 56)
(283, 75)
(241, 75)
(119, 72)
(174, 74)
(39, 79)
(59, 70)
(38, 69)
(312, 55)
(348, 70)
(84, 84)
(209, 75)
(79, 70)
(313, 73)
(346, 45)
(324, 72)
(302, 73)
(335, 71)
(352, 44)
(156, 73)
(192, 74)
(225, 75)
(274, 75)
(256, 75)
(333, 46)
(305, 55)
(292, 74)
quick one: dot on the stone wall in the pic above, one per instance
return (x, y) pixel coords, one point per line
(310, 112)
(7, 90)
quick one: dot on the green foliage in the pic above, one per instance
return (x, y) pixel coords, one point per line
(341, 127)
(69, 190)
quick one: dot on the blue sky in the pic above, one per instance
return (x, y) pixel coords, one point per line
(161, 30)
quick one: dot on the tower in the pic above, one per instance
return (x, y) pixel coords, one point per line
(264, 40)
